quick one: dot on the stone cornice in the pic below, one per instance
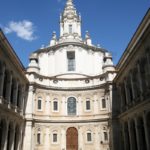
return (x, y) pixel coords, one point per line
(71, 121)
(102, 86)
(64, 44)
(70, 79)
(132, 48)
(9, 51)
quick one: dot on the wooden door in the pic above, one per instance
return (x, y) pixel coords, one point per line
(72, 139)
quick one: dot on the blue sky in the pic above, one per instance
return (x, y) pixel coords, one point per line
(28, 24)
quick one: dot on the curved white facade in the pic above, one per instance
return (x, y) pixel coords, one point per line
(70, 91)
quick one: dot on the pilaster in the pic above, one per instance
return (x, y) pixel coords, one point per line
(12, 139)
(47, 140)
(139, 77)
(95, 104)
(28, 141)
(63, 139)
(80, 139)
(137, 134)
(146, 132)
(2, 75)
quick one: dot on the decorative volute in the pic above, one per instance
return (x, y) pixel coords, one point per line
(70, 22)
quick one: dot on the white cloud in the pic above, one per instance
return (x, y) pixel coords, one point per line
(24, 29)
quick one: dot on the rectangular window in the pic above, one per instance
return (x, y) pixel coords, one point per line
(39, 104)
(89, 137)
(71, 61)
(105, 136)
(55, 105)
(88, 105)
(39, 138)
(103, 103)
(55, 138)
(70, 28)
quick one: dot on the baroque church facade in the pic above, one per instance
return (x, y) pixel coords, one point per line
(69, 95)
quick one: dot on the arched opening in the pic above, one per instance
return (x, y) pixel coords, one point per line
(16, 138)
(9, 137)
(148, 125)
(6, 76)
(1, 133)
(72, 139)
(71, 106)
(126, 137)
(141, 132)
(133, 135)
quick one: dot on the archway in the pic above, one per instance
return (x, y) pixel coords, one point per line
(72, 139)
(148, 125)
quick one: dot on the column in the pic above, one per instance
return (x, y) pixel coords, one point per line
(126, 92)
(5, 136)
(126, 136)
(119, 88)
(133, 140)
(110, 97)
(132, 85)
(30, 102)
(2, 74)
(148, 67)
(20, 138)
(146, 131)
(130, 135)
(80, 138)
(27, 145)
(63, 139)
(12, 138)
(137, 134)
(141, 134)
(139, 77)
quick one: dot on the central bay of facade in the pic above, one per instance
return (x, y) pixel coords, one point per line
(69, 97)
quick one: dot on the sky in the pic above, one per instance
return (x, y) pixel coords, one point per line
(28, 24)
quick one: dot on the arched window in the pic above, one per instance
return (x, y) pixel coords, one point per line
(71, 105)
(39, 136)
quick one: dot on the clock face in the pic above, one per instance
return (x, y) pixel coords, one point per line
(71, 106)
